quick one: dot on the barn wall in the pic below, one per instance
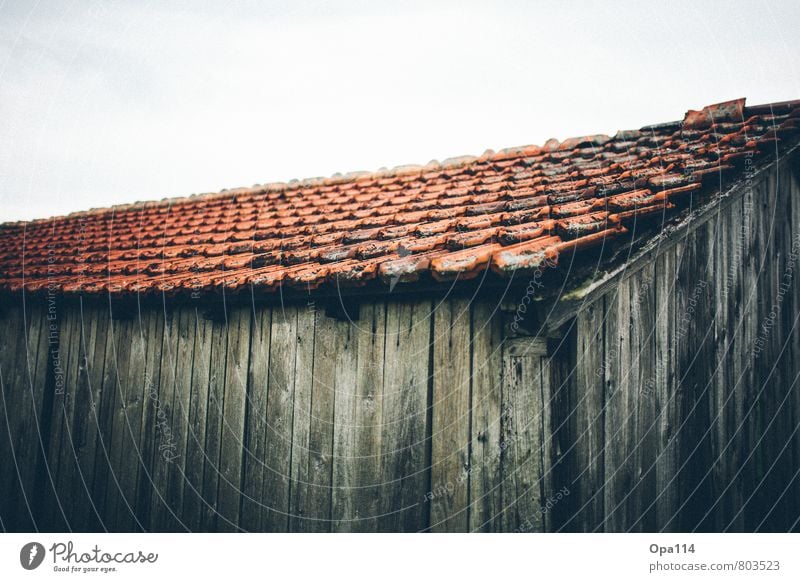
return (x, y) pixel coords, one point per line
(687, 404)
(269, 419)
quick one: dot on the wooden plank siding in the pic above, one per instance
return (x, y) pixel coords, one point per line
(668, 401)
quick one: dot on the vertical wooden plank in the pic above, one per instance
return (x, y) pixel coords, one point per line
(193, 501)
(667, 394)
(12, 356)
(337, 346)
(722, 401)
(126, 454)
(64, 408)
(692, 361)
(642, 501)
(405, 427)
(161, 404)
(104, 483)
(750, 311)
(526, 429)
(280, 408)
(256, 428)
(312, 426)
(91, 359)
(619, 415)
(118, 504)
(214, 419)
(172, 450)
(233, 419)
(485, 510)
(449, 496)
(358, 413)
(589, 443)
(75, 489)
(148, 387)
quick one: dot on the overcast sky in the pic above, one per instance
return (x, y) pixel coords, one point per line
(111, 102)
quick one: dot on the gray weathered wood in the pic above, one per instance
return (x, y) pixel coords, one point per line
(280, 410)
(485, 480)
(526, 412)
(358, 416)
(312, 424)
(193, 500)
(405, 427)
(451, 404)
(256, 428)
(233, 421)
(214, 420)
(589, 436)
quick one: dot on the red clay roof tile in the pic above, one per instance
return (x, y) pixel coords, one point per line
(518, 208)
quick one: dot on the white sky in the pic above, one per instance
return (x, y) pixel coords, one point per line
(111, 102)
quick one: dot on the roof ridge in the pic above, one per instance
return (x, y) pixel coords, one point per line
(513, 211)
(715, 112)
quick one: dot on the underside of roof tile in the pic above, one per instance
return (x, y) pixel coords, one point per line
(515, 210)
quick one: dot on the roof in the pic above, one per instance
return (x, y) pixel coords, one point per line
(516, 210)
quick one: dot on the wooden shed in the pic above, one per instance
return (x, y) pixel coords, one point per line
(597, 334)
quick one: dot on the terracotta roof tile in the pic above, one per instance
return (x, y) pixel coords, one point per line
(516, 209)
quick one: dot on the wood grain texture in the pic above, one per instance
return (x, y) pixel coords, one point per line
(233, 419)
(162, 515)
(280, 411)
(256, 426)
(28, 434)
(451, 415)
(357, 421)
(85, 427)
(12, 362)
(485, 477)
(214, 420)
(526, 416)
(588, 439)
(194, 504)
(313, 419)
(153, 328)
(405, 429)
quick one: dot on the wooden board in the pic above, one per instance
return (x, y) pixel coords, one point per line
(668, 396)
(405, 449)
(448, 498)
(152, 326)
(12, 356)
(280, 411)
(485, 478)
(312, 422)
(525, 466)
(357, 432)
(641, 503)
(256, 426)
(85, 428)
(588, 482)
(194, 503)
(214, 420)
(233, 419)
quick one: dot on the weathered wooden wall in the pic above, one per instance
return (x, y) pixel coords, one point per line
(687, 411)
(647, 411)
(268, 419)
